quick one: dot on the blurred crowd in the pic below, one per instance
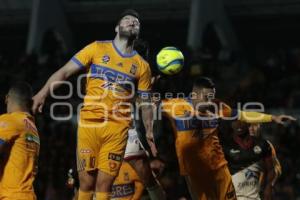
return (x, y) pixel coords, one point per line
(270, 76)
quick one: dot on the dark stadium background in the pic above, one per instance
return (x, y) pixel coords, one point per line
(259, 60)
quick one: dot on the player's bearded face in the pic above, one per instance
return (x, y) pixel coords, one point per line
(129, 27)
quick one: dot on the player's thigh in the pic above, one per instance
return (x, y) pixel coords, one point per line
(87, 179)
(224, 186)
(87, 148)
(114, 140)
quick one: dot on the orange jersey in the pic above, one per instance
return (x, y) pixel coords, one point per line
(112, 79)
(127, 185)
(19, 135)
(197, 142)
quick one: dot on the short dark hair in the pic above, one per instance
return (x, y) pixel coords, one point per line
(203, 82)
(130, 12)
(22, 94)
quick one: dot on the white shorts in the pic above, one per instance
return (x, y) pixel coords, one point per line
(134, 149)
(246, 182)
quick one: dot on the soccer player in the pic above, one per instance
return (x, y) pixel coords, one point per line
(195, 122)
(137, 157)
(137, 167)
(249, 158)
(254, 130)
(127, 185)
(114, 73)
(19, 146)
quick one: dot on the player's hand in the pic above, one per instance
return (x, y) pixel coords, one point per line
(157, 166)
(38, 103)
(151, 143)
(281, 119)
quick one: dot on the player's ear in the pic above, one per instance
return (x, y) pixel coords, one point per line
(117, 29)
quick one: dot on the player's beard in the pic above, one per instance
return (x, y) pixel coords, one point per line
(130, 34)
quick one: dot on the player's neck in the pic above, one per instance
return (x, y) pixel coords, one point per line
(124, 45)
(16, 108)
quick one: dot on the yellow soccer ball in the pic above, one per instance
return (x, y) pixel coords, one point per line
(170, 60)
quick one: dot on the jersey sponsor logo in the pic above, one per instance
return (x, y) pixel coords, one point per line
(194, 123)
(133, 69)
(110, 75)
(105, 59)
(257, 149)
(248, 183)
(116, 157)
(122, 190)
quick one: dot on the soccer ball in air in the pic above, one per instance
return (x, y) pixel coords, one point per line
(170, 60)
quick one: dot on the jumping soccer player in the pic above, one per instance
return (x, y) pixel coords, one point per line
(115, 71)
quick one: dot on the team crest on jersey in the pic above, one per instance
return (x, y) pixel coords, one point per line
(257, 149)
(120, 64)
(133, 69)
(105, 58)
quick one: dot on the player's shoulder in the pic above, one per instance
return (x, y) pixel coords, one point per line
(140, 58)
(8, 120)
(175, 100)
(100, 44)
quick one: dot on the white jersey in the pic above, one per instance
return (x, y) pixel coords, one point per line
(246, 182)
(134, 148)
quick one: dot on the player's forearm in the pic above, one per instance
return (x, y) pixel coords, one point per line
(269, 187)
(53, 82)
(254, 117)
(138, 192)
(147, 115)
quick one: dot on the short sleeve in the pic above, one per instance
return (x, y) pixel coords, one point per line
(85, 56)
(8, 130)
(144, 81)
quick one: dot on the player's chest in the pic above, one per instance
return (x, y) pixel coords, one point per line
(252, 154)
(111, 63)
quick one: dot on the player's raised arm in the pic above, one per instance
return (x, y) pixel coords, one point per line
(79, 61)
(54, 81)
(256, 117)
(146, 105)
